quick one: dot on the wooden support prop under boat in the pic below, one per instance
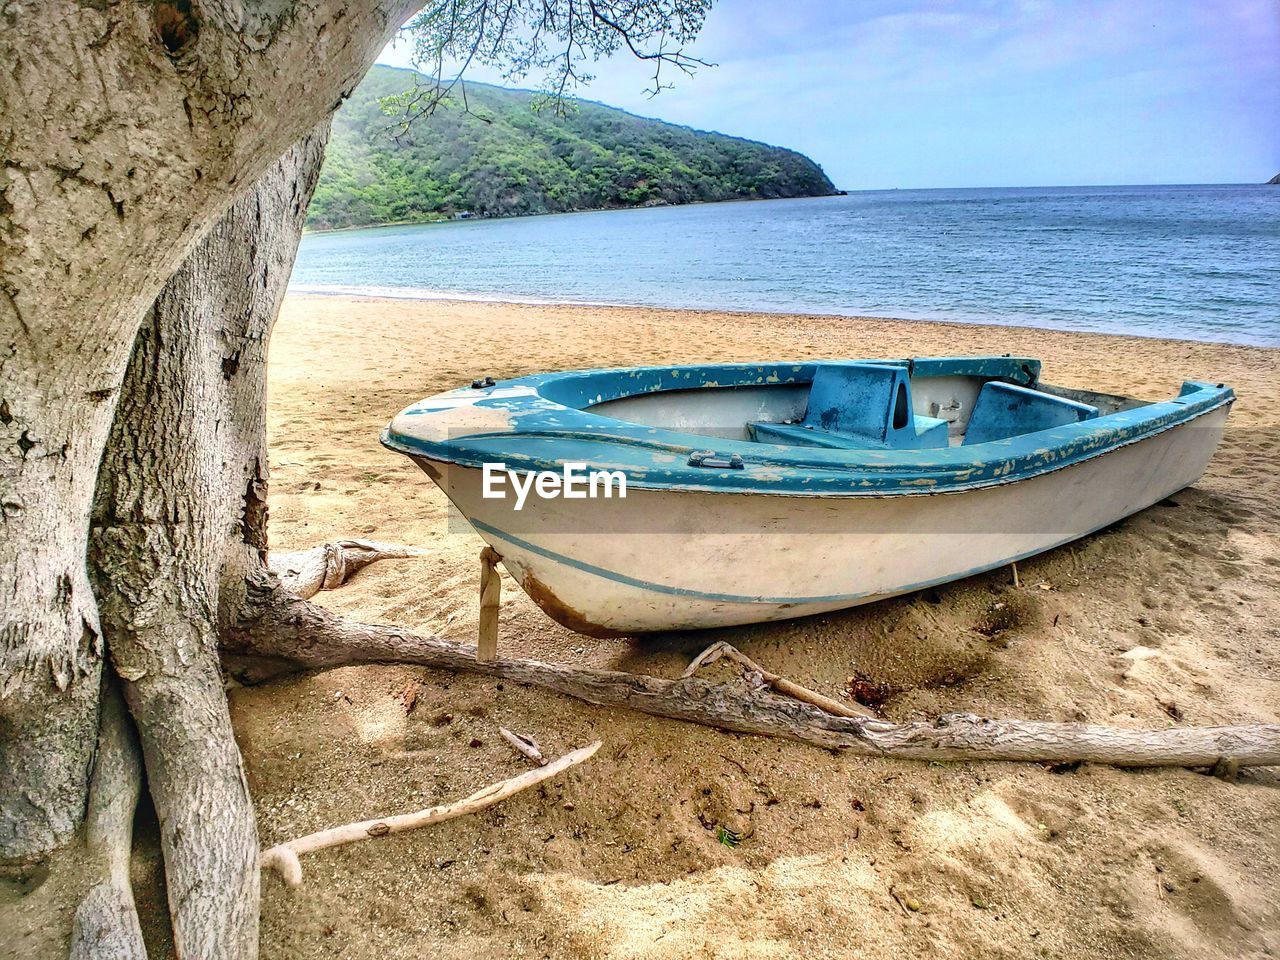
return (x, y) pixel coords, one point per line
(490, 597)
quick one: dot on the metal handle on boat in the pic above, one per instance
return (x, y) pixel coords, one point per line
(482, 382)
(711, 459)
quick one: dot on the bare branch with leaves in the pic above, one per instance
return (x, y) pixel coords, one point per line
(554, 38)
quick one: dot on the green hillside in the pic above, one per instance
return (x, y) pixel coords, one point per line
(524, 161)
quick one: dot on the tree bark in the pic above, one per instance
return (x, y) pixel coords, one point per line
(126, 130)
(184, 464)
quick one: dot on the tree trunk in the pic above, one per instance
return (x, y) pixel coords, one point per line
(52, 419)
(182, 475)
(126, 128)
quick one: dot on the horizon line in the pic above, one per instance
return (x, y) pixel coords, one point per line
(1062, 186)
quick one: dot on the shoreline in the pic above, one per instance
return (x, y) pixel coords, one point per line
(309, 231)
(424, 296)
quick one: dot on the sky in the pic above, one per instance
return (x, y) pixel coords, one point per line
(895, 93)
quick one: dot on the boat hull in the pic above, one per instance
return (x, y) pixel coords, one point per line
(663, 559)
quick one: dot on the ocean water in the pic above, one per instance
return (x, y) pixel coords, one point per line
(1197, 262)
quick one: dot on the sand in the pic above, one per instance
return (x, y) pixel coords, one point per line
(1170, 616)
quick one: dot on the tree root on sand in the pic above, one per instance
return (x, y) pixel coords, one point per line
(306, 572)
(106, 922)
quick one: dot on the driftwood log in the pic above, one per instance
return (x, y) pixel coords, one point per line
(297, 635)
(283, 857)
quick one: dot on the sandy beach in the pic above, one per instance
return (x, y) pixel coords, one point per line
(1168, 617)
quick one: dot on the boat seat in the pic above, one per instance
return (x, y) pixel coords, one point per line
(1004, 410)
(857, 405)
(803, 435)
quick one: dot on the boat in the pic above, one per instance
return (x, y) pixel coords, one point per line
(761, 492)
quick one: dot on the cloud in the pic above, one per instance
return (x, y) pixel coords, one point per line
(931, 92)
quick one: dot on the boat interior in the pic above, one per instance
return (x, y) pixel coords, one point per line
(871, 404)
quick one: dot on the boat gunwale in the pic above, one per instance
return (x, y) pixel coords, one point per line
(654, 458)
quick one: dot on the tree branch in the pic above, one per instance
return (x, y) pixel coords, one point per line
(556, 36)
(284, 856)
(790, 688)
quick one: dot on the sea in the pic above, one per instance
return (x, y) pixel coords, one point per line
(1192, 262)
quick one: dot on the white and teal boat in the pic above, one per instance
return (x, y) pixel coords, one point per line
(758, 492)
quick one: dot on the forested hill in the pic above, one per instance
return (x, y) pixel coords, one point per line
(524, 161)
